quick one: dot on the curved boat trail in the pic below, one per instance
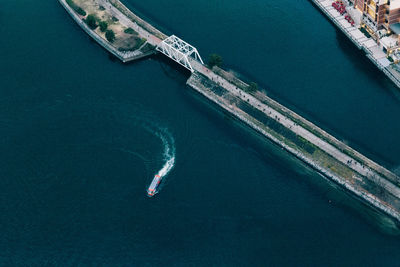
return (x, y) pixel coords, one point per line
(169, 162)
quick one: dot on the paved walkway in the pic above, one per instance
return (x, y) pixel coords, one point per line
(153, 40)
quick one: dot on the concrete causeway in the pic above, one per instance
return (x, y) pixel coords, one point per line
(362, 167)
(364, 178)
(354, 164)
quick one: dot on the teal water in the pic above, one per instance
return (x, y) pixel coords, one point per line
(80, 142)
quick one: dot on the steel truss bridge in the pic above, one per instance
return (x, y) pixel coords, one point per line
(179, 51)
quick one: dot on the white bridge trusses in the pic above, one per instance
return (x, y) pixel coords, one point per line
(179, 51)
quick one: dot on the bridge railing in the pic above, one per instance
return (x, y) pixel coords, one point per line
(179, 51)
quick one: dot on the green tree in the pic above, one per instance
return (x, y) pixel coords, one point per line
(91, 21)
(103, 26)
(110, 35)
(80, 11)
(252, 87)
(75, 7)
(130, 31)
(214, 60)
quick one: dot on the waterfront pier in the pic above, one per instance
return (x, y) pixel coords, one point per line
(364, 178)
(371, 47)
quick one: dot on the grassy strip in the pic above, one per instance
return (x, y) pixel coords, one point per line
(300, 121)
(138, 43)
(76, 8)
(147, 48)
(130, 31)
(279, 128)
(286, 135)
(308, 150)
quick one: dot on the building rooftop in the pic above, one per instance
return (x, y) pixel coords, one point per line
(389, 42)
(394, 4)
(395, 27)
(381, 2)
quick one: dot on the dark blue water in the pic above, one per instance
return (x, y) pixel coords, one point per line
(79, 142)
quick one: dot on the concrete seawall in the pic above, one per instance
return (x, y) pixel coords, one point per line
(316, 130)
(227, 100)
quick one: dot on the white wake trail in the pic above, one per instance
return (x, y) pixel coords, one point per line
(169, 154)
(169, 157)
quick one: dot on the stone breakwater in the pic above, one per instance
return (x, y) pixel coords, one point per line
(349, 179)
(352, 154)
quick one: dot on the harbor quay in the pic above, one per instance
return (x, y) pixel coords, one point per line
(365, 179)
(373, 27)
